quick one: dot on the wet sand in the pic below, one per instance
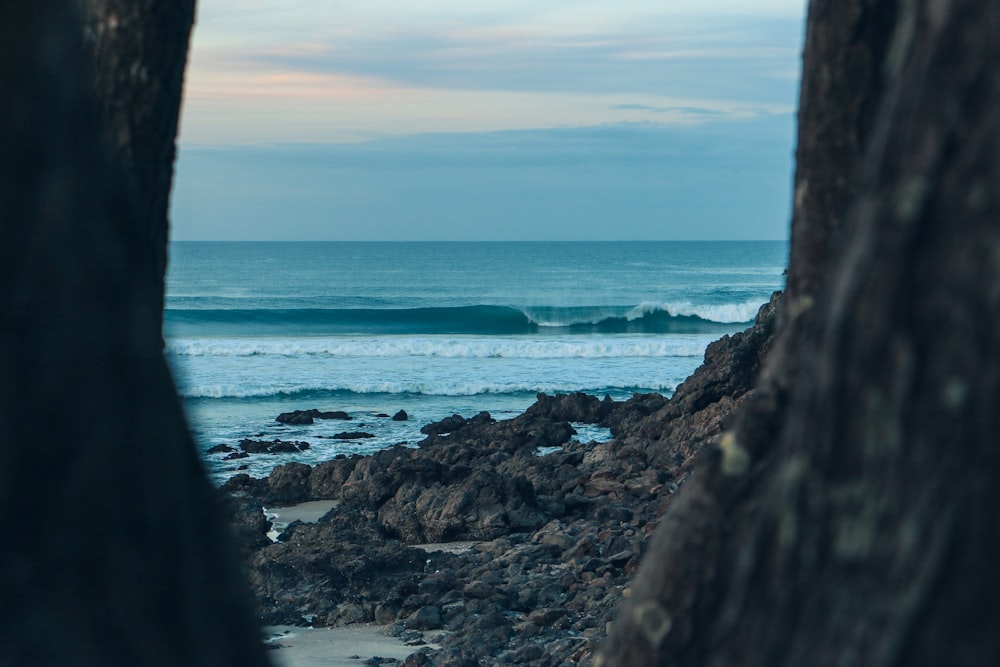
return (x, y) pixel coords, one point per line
(333, 647)
(308, 512)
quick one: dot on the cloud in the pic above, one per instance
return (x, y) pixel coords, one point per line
(278, 70)
(690, 111)
(498, 119)
(653, 59)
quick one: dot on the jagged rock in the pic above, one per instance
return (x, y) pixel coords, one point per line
(546, 616)
(326, 479)
(561, 533)
(305, 417)
(272, 447)
(446, 425)
(288, 484)
(342, 559)
(297, 418)
(384, 614)
(248, 522)
(426, 618)
(575, 407)
(352, 435)
(482, 506)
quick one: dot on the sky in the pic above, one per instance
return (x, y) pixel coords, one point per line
(488, 120)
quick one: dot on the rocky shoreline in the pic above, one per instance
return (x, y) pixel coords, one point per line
(552, 540)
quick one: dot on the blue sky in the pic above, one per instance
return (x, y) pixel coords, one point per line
(350, 120)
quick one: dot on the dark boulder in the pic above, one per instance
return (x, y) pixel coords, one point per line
(272, 447)
(426, 618)
(575, 407)
(559, 534)
(305, 417)
(335, 414)
(249, 524)
(295, 418)
(481, 506)
(400, 416)
(326, 478)
(334, 571)
(352, 435)
(288, 484)
(446, 425)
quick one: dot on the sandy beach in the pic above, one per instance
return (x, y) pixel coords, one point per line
(308, 512)
(333, 647)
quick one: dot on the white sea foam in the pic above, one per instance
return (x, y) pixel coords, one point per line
(727, 313)
(441, 388)
(691, 345)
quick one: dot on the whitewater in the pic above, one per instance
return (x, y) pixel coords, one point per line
(255, 329)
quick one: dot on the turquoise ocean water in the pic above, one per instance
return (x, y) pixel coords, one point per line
(255, 329)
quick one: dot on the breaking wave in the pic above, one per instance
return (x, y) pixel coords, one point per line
(651, 318)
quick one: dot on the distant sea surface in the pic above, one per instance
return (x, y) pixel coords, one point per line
(255, 329)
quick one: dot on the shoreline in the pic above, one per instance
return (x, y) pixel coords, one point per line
(348, 646)
(473, 539)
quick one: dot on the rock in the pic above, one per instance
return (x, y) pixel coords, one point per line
(558, 534)
(575, 407)
(306, 417)
(619, 559)
(288, 484)
(220, 448)
(384, 614)
(546, 616)
(352, 435)
(614, 513)
(480, 505)
(425, 618)
(351, 612)
(418, 659)
(446, 425)
(437, 584)
(249, 524)
(400, 416)
(297, 417)
(326, 479)
(272, 447)
(478, 590)
(559, 540)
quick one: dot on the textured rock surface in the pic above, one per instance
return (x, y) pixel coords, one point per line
(555, 537)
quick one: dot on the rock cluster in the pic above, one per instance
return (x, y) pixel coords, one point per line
(249, 446)
(301, 417)
(550, 541)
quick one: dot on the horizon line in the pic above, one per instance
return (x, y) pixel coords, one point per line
(479, 240)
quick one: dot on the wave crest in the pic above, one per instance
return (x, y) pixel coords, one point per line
(724, 313)
(303, 392)
(649, 318)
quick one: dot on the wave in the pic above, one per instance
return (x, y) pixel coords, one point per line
(446, 347)
(723, 313)
(415, 388)
(653, 318)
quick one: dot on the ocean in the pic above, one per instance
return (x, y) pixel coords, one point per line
(254, 329)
